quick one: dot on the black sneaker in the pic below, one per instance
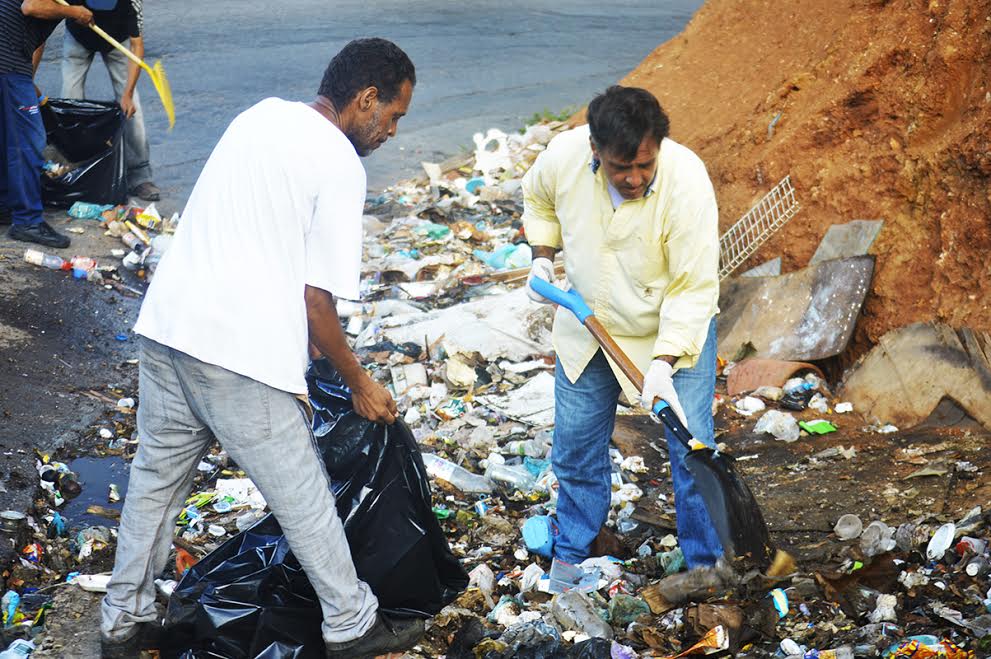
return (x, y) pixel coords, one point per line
(387, 635)
(40, 233)
(146, 636)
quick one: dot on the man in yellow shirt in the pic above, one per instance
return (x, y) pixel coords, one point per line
(635, 215)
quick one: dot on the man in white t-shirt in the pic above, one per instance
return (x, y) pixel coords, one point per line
(270, 236)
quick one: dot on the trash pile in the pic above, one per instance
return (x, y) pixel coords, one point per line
(142, 231)
(445, 324)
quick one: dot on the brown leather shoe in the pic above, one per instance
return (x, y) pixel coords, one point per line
(147, 191)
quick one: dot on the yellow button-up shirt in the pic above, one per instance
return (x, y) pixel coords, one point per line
(649, 268)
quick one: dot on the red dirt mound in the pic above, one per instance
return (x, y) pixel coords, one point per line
(885, 114)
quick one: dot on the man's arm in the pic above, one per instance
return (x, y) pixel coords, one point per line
(692, 295)
(544, 252)
(49, 10)
(36, 60)
(371, 400)
(137, 46)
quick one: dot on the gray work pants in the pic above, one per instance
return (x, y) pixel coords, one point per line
(76, 61)
(184, 405)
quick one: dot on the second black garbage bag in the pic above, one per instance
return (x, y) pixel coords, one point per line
(250, 598)
(86, 145)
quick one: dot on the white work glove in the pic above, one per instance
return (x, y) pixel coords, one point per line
(541, 268)
(658, 383)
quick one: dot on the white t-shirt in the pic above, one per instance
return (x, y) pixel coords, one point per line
(277, 206)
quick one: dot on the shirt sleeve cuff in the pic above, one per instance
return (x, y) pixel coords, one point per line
(665, 346)
(542, 232)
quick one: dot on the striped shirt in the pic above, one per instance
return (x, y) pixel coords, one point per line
(20, 36)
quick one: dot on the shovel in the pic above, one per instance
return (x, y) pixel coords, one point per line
(156, 72)
(731, 505)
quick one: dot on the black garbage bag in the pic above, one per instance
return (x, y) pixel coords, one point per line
(87, 138)
(250, 599)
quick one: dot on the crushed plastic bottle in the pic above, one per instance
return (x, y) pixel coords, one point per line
(456, 475)
(132, 241)
(82, 266)
(50, 261)
(538, 447)
(574, 610)
(17, 649)
(512, 477)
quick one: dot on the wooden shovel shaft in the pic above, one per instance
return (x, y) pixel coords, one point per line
(612, 349)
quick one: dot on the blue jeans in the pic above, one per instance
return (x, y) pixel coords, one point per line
(22, 138)
(584, 417)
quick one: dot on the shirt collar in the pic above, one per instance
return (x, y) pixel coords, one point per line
(595, 164)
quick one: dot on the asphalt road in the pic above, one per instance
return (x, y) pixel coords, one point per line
(480, 64)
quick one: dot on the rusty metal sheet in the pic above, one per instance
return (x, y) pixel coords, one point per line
(804, 316)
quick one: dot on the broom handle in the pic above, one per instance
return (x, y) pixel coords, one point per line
(113, 42)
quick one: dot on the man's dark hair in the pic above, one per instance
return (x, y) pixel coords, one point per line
(621, 117)
(366, 63)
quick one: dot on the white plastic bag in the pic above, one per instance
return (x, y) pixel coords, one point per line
(780, 424)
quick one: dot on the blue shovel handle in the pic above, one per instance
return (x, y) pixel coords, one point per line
(570, 300)
(573, 301)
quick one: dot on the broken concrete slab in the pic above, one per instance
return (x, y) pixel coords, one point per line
(803, 316)
(751, 374)
(770, 268)
(912, 369)
(845, 240)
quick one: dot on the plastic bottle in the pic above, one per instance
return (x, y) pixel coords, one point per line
(132, 261)
(17, 649)
(574, 610)
(50, 261)
(133, 242)
(457, 476)
(82, 266)
(531, 448)
(511, 476)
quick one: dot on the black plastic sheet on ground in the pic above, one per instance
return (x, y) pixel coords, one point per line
(90, 135)
(250, 598)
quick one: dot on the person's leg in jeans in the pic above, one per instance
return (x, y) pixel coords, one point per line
(137, 151)
(173, 441)
(76, 61)
(696, 388)
(5, 127)
(23, 141)
(268, 434)
(584, 417)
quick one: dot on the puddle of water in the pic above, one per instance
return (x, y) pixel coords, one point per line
(95, 475)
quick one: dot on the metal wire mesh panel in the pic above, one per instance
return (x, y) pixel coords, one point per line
(742, 240)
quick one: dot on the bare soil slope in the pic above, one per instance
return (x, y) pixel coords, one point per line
(885, 109)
